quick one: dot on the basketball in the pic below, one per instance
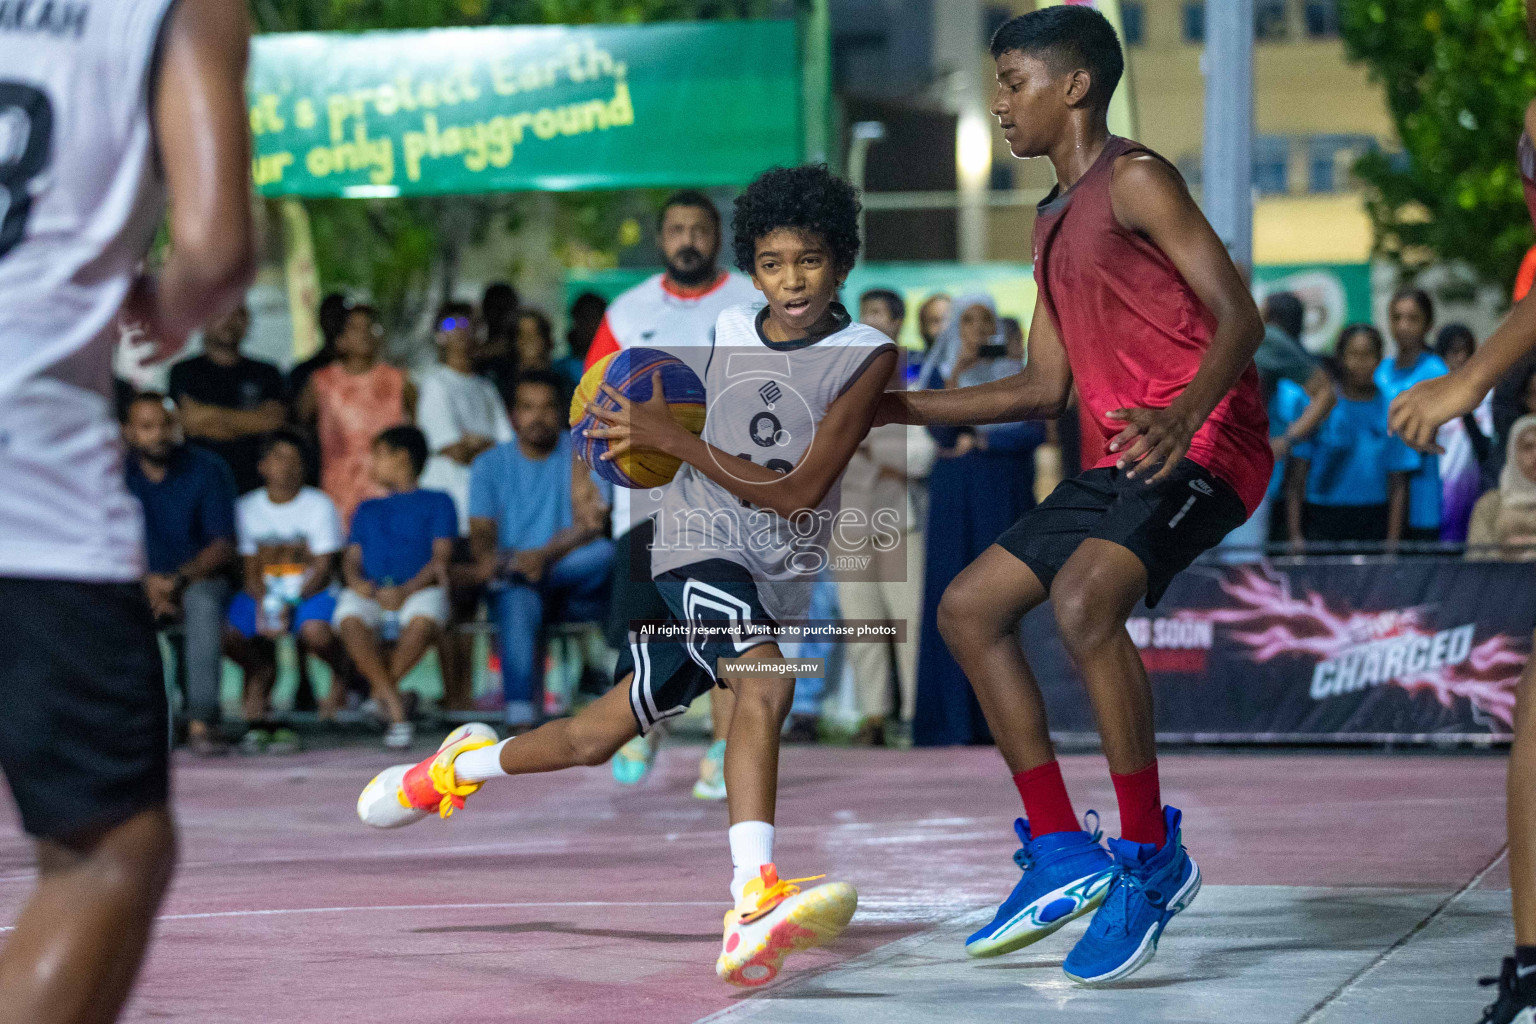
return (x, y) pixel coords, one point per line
(629, 373)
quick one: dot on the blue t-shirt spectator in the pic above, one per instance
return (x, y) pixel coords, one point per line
(529, 500)
(188, 510)
(1290, 401)
(396, 533)
(1353, 456)
(1424, 490)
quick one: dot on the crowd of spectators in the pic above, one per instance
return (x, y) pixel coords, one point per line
(370, 513)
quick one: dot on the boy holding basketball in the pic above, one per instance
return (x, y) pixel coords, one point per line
(743, 530)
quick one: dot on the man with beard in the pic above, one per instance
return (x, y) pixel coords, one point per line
(674, 311)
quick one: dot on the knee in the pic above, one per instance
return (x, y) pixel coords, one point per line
(137, 857)
(315, 635)
(965, 615)
(763, 697)
(1084, 620)
(593, 749)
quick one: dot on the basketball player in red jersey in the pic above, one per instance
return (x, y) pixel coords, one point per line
(1140, 305)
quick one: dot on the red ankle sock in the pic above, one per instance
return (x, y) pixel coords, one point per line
(1141, 806)
(1046, 803)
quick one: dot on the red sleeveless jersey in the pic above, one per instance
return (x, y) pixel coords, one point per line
(1135, 332)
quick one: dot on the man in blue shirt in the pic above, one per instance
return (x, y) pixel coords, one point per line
(188, 496)
(396, 571)
(1411, 314)
(535, 526)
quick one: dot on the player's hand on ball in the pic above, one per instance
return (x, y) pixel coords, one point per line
(635, 425)
(1417, 414)
(1152, 438)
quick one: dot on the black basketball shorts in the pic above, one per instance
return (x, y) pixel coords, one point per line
(1167, 525)
(84, 735)
(670, 673)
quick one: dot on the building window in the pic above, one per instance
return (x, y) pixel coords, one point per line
(1194, 21)
(1271, 171)
(1330, 159)
(1133, 20)
(1269, 21)
(1322, 19)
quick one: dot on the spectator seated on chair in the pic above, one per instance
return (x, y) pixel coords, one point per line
(188, 495)
(289, 539)
(535, 526)
(1504, 520)
(396, 570)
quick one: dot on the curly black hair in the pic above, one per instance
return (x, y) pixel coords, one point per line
(809, 198)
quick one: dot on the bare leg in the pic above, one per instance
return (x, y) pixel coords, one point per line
(362, 646)
(1093, 596)
(257, 658)
(1522, 808)
(78, 944)
(979, 618)
(317, 638)
(456, 653)
(589, 737)
(752, 746)
(722, 703)
(415, 638)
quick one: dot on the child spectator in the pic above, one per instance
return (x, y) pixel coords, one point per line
(1503, 523)
(1351, 478)
(289, 536)
(587, 313)
(348, 403)
(395, 569)
(1411, 314)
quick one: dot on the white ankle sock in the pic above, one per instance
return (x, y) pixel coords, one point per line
(751, 848)
(479, 765)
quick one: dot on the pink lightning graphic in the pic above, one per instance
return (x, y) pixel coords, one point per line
(1277, 622)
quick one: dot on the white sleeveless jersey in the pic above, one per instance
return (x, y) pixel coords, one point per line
(650, 315)
(766, 402)
(80, 198)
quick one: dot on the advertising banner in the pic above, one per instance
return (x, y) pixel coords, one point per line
(558, 108)
(1411, 650)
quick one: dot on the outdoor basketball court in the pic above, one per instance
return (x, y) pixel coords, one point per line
(1339, 888)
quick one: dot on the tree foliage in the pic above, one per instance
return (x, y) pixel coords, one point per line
(1458, 75)
(404, 252)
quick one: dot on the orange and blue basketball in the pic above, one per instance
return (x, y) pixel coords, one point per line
(629, 373)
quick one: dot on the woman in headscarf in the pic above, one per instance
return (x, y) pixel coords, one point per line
(1504, 520)
(982, 481)
(1467, 443)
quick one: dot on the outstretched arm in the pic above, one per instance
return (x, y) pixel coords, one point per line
(1418, 413)
(1148, 196)
(1039, 391)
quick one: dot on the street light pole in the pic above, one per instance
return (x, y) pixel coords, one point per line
(1227, 161)
(864, 134)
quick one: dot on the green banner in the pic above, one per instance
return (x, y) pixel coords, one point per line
(551, 108)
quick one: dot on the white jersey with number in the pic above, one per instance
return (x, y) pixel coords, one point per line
(80, 198)
(653, 315)
(766, 401)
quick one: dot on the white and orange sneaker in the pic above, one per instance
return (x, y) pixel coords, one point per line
(406, 793)
(774, 918)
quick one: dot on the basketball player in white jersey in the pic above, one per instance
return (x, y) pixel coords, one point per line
(105, 105)
(742, 534)
(674, 311)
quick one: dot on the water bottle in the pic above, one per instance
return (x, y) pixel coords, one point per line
(272, 608)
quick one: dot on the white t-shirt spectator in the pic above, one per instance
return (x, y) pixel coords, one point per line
(310, 518)
(450, 405)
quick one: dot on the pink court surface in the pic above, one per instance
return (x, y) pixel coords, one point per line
(1339, 888)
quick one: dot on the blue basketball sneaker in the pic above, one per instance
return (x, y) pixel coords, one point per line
(1065, 876)
(1148, 886)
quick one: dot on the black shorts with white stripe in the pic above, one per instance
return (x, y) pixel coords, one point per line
(672, 668)
(1167, 524)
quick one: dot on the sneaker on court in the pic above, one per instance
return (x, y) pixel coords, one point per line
(399, 735)
(1065, 876)
(711, 783)
(635, 758)
(1148, 886)
(407, 793)
(284, 741)
(774, 918)
(255, 741)
(1516, 1001)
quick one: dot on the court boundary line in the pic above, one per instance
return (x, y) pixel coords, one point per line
(1349, 984)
